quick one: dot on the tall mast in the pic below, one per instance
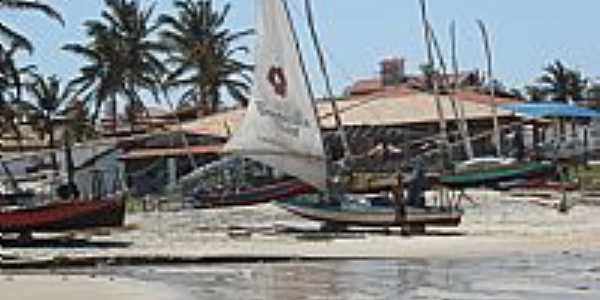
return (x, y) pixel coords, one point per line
(305, 74)
(444, 78)
(464, 126)
(430, 60)
(323, 65)
(301, 59)
(490, 75)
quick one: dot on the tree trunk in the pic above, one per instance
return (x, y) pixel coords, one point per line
(214, 101)
(204, 105)
(51, 143)
(18, 136)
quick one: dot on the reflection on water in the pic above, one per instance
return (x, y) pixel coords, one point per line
(564, 276)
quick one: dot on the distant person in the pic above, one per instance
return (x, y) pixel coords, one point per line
(399, 201)
(416, 196)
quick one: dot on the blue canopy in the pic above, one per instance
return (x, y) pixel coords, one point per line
(551, 109)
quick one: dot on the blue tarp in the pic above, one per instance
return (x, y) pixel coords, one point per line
(551, 110)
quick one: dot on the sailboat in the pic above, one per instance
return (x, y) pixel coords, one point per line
(281, 129)
(494, 171)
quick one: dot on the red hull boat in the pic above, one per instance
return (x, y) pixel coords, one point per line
(269, 192)
(64, 216)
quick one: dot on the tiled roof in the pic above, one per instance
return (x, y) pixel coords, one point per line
(393, 106)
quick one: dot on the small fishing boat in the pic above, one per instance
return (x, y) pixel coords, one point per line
(66, 212)
(63, 216)
(281, 129)
(492, 176)
(368, 211)
(264, 193)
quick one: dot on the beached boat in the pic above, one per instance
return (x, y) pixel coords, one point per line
(67, 212)
(63, 216)
(281, 129)
(493, 176)
(234, 181)
(278, 190)
(364, 211)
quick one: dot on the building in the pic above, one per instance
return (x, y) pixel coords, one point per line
(395, 112)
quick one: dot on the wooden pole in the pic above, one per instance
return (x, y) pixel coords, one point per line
(464, 126)
(440, 110)
(490, 75)
(323, 66)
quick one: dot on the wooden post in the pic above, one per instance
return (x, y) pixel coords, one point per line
(562, 205)
(172, 167)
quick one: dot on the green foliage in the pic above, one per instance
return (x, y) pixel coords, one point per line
(16, 38)
(122, 58)
(11, 89)
(203, 55)
(535, 93)
(48, 96)
(561, 83)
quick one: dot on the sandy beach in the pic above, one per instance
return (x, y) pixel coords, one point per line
(495, 225)
(500, 237)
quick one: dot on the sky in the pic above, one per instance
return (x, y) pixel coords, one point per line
(357, 35)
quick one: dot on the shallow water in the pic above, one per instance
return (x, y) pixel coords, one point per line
(558, 276)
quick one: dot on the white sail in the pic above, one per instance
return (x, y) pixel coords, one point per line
(280, 128)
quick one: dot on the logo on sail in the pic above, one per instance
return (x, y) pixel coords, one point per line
(278, 81)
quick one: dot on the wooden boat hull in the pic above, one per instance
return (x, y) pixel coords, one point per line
(64, 216)
(491, 177)
(372, 216)
(538, 184)
(264, 194)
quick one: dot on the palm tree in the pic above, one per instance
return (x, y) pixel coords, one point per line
(99, 80)
(561, 83)
(203, 55)
(49, 98)
(122, 57)
(25, 5)
(11, 106)
(78, 124)
(132, 111)
(535, 93)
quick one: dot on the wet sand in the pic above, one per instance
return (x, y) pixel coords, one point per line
(80, 287)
